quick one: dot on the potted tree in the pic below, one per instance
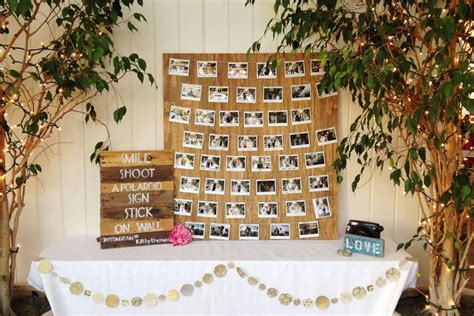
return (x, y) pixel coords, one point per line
(57, 58)
(408, 65)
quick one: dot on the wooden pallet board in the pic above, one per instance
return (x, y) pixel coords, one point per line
(324, 115)
(136, 200)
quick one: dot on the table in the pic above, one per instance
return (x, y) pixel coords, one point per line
(303, 270)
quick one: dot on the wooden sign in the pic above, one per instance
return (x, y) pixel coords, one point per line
(253, 146)
(136, 193)
(364, 245)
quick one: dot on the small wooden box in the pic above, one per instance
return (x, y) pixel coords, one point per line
(136, 197)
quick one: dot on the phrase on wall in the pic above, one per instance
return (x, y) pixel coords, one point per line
(253, 145)
(136, 197)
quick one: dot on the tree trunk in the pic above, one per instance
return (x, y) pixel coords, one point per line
(442, 288)
(5, 247)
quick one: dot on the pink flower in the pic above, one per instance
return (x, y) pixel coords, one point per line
(180, 235)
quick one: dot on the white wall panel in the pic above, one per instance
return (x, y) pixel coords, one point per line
(65, 199)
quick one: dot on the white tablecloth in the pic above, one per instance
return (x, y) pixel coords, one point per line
(305, 269)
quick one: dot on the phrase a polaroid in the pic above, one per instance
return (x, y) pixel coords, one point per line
(179, 114)
(198, 229)
(248, 231)
(182, 207)
(219, 231)
(178, 67)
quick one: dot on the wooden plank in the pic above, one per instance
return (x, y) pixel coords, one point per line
(143, 239)
(131, 157)
(133, 198)
(324, 112)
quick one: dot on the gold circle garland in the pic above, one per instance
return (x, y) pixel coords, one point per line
(150, 300)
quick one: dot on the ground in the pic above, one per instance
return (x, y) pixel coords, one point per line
(35, 305)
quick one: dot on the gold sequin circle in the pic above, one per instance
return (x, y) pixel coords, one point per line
(162, 298)
(150, 300)
(112, 301)
(137, 301)
(98, 298)
(380, 282)
(359, 292)
(272, 292)
(241, 272)
(198, 284)
(262, 287)
(393, 274)
(252, 281)
(173, 295)
(297, 301)
(308, 303)
(345, 298)
(207, 278)
(45, 266)
(285, 299)
(220, 271)
(322, 302)
(370, 288)
(125, 302)
(231, 265)
(187, 290)
(334, 300)
(76, 288)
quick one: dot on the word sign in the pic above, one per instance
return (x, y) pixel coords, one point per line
(136, 197)
(364, 245)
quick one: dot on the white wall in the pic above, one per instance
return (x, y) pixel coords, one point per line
(65, 199)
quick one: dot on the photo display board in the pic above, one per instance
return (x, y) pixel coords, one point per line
(136, 197)
(253, 146)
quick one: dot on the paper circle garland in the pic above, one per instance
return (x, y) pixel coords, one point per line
(207, 278)
(98, 298)
(359, 292)
(125, 302)
(45, 266)
(380, 282)
(262, 287)
(112, 301)
(173, 295)
(285, 299)
(252, 281)
(198, 284)
(76, 288)
(150, 300)
(393, 274)
(272, 292)
(187, 290)
(322, 302)
(137, 301)
(345, 298)
(220, 271)
(308, 303)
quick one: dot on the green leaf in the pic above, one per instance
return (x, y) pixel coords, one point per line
(142, 64)
(400, 246)
(119, 114)
(422, 153)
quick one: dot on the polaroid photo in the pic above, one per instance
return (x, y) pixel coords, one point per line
(197, 229)
(267, 209)
(218, 142)
(318, 183)
(246, 95)
(236, 163)
(295, 208)
(238, 70)
(214, 186)
(204, 117)
(273, 94)
(315, 160)
(206, 69)
(239, 187)
(290, 185)
(179, 114)
(207, 209)
(248, 231)
(178, 67)
(326, 93)
(299, 140)
(294, 68)
(322, 208)
(261, 163)
(229, 118)
(218, 94)
(266, 71)
(210, 162)
(326, 136)
(278, 118)
(184, 161)
(191, 92)
(183, 207)
(266, 187)
(316, 68)
(189, 184)
(301, 116)
(235, 210)
(308, 229)
(193, 139)
(247, 143)
(272, 142)
(288, 162)
(219, 231)
(301, 92)
(279, 231)
(253, 119)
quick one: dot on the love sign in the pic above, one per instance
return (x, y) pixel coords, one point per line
(364, 245)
